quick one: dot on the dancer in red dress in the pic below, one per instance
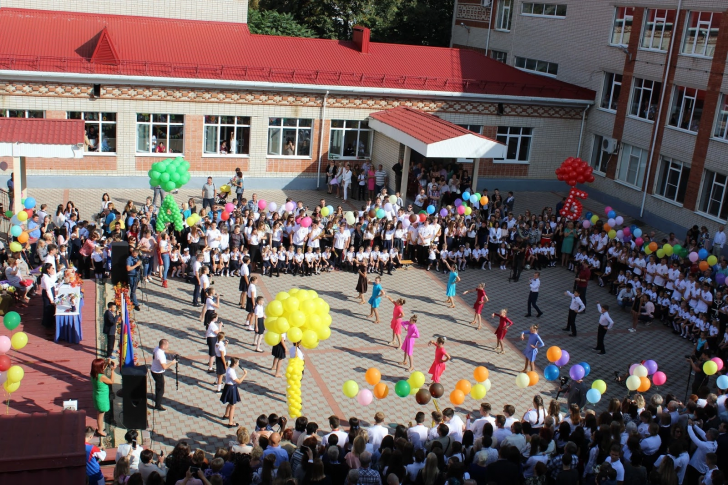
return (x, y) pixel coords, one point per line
(500, 332)
(441, 356)
(396, 324)
(480, 300)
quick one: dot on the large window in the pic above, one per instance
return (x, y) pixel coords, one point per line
(499, 56)
(543, 9)
(600, 157)
(540, 67)
(227, 135)
(474, 128)
(687, 108)
(632, 164)
(622, 26)
(645, 97)
(157, 133)
(672, 180)
(21, 113)
(289, 137)
(350, 139)
(611, 90)
(100, 130)
(713, 199)
(701, 34)
(517, 141)
(503, 15)
(721, 122)
(659, 26)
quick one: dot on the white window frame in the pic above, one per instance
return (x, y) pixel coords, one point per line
(653, 32)
(684, 104)
(603, 154)
(720, 130)
(630, 155)
(618, 39)
(500, 56)
(99, 124)
(347, 129)
(504, 16)
(5, 113)
(536, 66)
(710, 196)
(667, 167)
(239, 124)
(474, 128)
(298, 128)
(528, 9)
(639, 88)
(510, 134)
(608, 89)
(153, 122)
(703, 23)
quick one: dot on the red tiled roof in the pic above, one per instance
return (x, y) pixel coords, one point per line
(41, 131)
(38, 40)
(422, 126)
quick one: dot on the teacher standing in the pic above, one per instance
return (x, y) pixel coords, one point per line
(48, 293)
(101, 385)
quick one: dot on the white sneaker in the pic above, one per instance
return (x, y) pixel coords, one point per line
(631, 330)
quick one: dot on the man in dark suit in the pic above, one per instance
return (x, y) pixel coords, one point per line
(110, 320)
(504, 471)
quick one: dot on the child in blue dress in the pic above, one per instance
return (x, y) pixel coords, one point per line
(531, 350)
(451, 285)
(376, 298)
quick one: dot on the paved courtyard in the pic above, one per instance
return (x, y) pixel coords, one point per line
(356, 343)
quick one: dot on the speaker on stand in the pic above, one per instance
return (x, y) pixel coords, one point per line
(134, 396)
(119, 253)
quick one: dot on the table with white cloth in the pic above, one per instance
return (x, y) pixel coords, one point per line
(68, 323)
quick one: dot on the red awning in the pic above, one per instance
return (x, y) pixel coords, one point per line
(41, 131)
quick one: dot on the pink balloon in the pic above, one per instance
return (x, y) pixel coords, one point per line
(290, 206)
(626, 231)
(262, 204)
(4, 344)
(364, 397)
(639, 241)
(718, 361)
(659, 378)
(461, 210)
(229, 207)
(693, 257)
(306, 222)
(607, 210)
(586, 224)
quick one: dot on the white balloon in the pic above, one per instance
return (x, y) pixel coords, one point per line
(272, 207)
(487, 384)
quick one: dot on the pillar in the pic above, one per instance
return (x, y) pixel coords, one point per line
(20, 182)
(405, 172)
(474, 175)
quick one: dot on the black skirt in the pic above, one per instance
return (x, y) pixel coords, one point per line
(49, 312)
(243, 286)
(230, 394)
(219, 366)
(211, 341)
(260, 327)
(362, 285)
(208, 317)
(249, 305)
(279, 351)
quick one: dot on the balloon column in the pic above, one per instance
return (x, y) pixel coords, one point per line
(294, 373)
(11, 375)
(171, 174)
(573, 171)
(300, 314)
(169, 213)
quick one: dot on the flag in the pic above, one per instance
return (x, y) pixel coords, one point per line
(126, 350)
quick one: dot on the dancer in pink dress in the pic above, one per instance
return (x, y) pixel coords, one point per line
(441, 356)
(409, 341)
(396, 324)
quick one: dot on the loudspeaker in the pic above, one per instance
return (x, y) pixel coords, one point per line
(97, 90)
(119, 253)
(134, 396)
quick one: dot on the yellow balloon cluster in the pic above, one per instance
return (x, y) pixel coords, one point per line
(294, 373)
(301, 315)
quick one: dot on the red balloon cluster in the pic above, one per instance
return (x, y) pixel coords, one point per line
(575, 171)
(572, 207)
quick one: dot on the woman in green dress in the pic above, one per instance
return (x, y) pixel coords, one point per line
(101, 385)
(567, 246)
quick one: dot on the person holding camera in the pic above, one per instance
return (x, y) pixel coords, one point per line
(159, 366)
(147, 466)
(575, 392)
(101, 385)
(696, 363)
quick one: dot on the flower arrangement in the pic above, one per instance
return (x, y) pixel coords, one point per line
(72, 278)
(7, 288)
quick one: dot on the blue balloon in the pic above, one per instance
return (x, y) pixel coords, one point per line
(722, 382)
(430, 209)
(632, 228)
(637, 232)
(593, 396)
(551, 372)
(703, 254)
(587, 368)
(466, 195)
(611, 214)
(588, 216)
(29, 203)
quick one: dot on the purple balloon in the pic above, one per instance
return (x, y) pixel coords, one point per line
(563, 360)
(458, 202)
(651, 366)
(443, 212)
(577, 372)
(720, 278)
(631, 368)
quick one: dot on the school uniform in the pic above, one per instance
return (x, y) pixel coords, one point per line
(260, 319)
(211, 338)
(230, 394)
(219, 362)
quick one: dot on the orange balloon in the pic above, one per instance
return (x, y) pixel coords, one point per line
(653, 246)
(532, 378)
(607, 227)
(457, 397)
(464, 386)
(644, 384)
(553, 354)
(373, 376)
(480, 374)
(704, 266)
(23, 238)
(381, 390)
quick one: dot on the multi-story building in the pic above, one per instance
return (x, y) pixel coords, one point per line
(171, 78)
(657, 134)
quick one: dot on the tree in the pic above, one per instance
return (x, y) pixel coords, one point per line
(270, 22)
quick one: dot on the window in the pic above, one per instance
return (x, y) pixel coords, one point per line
(672, 179)
(517, 141)
(100, 130)
(543, 10)
(227, 135)
(632, 165)
(687, 108)
(622, 27)
(600, 157)
(499, 56)
(540, 67)
(21, 113)
(350, 139)
(701, 34)
(610, 93)
(160, 133)
(474, 128)
(713, 195)
(659, 25)
(503, 15)
(289, 137)
(721, 123)
(645, 96)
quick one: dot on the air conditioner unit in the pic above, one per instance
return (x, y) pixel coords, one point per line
(610, 145)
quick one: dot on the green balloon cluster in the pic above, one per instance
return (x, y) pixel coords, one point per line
(171, 173)
(169, 213)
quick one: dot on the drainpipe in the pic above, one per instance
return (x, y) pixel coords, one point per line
(321, 142)
(490, 26)
(659, 114)
(581, 131)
